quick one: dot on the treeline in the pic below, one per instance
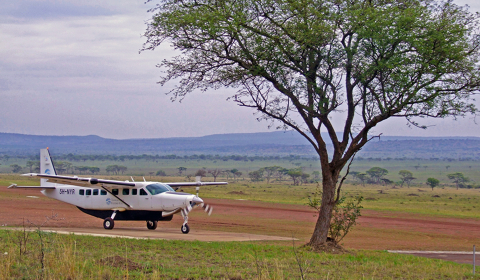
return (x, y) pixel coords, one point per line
(376, 175)
(278, 173)
(145, 157)
(246, 158)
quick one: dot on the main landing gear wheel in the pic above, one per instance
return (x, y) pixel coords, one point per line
(151, 225)
(108, 223)
(185, 229)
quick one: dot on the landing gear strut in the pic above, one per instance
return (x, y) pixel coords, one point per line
(108, 222)
(185, 228)
(151, 225)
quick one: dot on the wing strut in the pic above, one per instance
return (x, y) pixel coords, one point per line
(116, 197)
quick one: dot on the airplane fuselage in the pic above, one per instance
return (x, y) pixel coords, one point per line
(137, 200)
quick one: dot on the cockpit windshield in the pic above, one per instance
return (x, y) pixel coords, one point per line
(159, 188)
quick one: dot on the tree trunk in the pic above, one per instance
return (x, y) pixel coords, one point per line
(322, 226)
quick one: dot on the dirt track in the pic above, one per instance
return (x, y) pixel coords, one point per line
(376, 230)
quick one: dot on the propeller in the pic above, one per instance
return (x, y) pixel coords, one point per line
(207, 208)
(198, 201)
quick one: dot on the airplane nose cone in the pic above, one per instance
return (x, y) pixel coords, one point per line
(197, 200)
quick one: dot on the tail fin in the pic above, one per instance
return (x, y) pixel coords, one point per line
(46, 167)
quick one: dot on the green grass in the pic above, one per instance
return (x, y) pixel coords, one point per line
(84, 257)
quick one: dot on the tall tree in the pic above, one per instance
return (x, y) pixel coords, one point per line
(215, 172)
(296, 175)
(406, 176)
(32, 164)
(16, 168)
(458, 178)
(201, 173)
(181, 169)
(432, 182)
(302, 63)
(269, 171)
(377, 173)
(256, 176)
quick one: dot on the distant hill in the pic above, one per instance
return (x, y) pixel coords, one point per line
(267, 143)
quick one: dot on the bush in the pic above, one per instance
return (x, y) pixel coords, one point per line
(344, 217)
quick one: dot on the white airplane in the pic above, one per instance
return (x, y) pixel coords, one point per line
(119, 200)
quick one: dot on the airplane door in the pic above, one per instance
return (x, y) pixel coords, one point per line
(146, 199)
(88, 199)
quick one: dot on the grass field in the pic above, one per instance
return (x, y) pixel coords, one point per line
(83, 257)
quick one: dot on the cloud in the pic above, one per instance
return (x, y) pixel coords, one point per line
(34, 9)
(73, 68)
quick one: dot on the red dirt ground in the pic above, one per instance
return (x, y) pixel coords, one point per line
(375, 230)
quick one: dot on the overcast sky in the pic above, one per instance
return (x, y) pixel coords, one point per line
(73, 68)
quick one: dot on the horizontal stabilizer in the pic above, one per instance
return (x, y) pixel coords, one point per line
(15, 186)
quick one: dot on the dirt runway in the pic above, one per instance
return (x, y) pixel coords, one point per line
(241, 219)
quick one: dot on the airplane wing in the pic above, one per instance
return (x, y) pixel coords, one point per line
(80, 181)
(195, 184)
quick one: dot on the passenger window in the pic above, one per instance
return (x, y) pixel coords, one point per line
(103, 192)
(88, 192)
(95, 192)
(143, 192)
(134, 192)
(81, 192)
(126, 191)
(115, 191)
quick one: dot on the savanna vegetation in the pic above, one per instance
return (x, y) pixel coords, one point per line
(83, 257)
(401, 172)
(102, 258)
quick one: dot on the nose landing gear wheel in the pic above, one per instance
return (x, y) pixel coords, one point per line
(108, 223)
(185, 229)
(151, 225)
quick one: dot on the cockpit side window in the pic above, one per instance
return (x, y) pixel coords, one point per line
(158, 188)
(143, 192)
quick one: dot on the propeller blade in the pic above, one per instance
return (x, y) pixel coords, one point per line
(208, 209)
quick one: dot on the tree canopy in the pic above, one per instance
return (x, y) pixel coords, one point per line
(458, 178)
(432, 182)
(406, 176)
(377, 173)
(303, 63)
